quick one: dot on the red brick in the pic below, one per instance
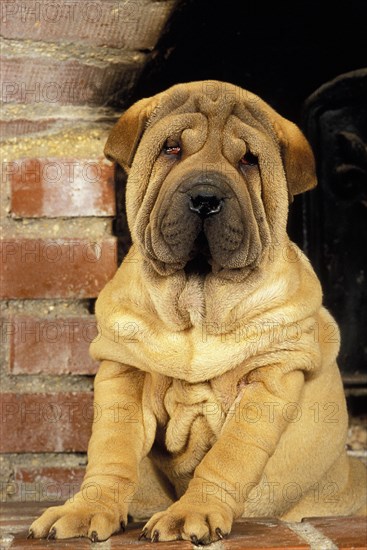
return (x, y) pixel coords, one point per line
(50, 346)
(60, 187)
(46, 483)
(67, 82)
(49, 475)
(132, 25)
(347, 533)
(255, 534)
(47, 422)
(56, 268)
(21, 542)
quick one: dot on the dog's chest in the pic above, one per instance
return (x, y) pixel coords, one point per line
(190, 418)
(192, 302)
(188, 406)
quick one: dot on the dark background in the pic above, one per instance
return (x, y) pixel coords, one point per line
(284, 51)
(281, 51)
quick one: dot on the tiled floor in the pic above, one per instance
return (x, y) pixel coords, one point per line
(312, 534)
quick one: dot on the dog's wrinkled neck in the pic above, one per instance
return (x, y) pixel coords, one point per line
(195, 299)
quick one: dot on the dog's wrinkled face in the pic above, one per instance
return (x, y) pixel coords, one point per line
(207, 189)
(208, 212)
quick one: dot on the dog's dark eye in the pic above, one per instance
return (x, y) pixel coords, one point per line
(248, 159)
(171, 148)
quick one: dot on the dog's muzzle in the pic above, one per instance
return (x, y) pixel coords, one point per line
(202, 219)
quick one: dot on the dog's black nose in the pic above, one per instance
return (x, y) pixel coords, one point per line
(205, 203)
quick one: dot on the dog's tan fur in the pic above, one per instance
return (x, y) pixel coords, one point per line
(221, 389)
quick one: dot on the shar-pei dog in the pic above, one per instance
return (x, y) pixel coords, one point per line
(218, 395)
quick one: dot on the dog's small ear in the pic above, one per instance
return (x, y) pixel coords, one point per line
(124, 137)
(298, 158)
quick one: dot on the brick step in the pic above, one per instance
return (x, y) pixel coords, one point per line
(334, 533)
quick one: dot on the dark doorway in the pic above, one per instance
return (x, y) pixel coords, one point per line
(284, 51)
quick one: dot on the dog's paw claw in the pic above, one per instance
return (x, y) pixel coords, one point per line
(143, 534)
(194, 540)
(155, 536)
(30, 534)
(94, 536)
(219, 533)
(52, 534)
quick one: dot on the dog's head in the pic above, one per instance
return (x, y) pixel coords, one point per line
(211, 170)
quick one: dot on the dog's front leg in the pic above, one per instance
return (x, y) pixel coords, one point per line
(214, 498)
(118, 443)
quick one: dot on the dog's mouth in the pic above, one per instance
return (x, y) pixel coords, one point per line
(199, 263)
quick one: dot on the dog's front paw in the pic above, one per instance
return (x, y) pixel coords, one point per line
(200, 524)
(77, 519)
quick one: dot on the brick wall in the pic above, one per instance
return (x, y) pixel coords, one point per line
(68, 69)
